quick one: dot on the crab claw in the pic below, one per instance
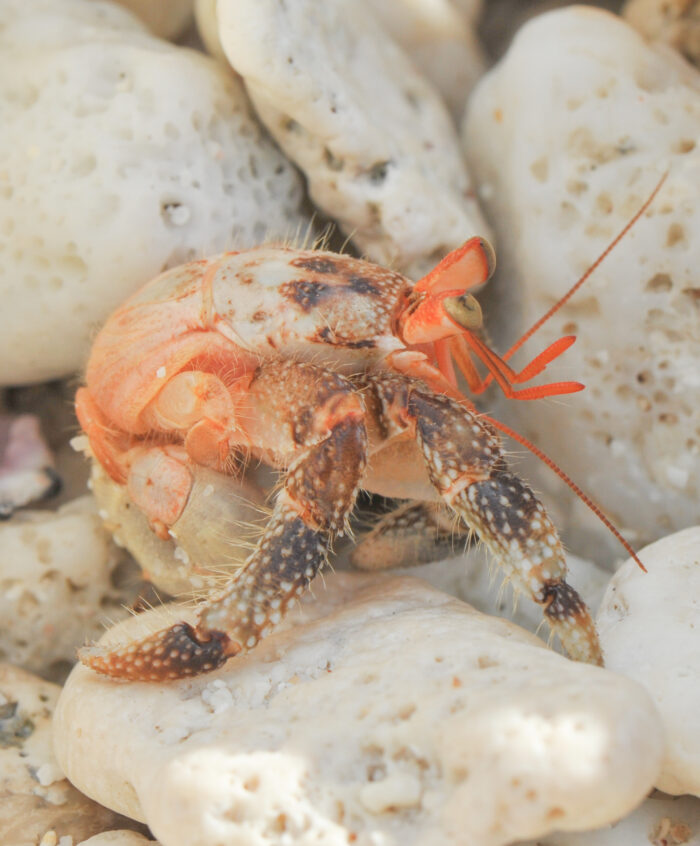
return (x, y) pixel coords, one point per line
(168, 654)
(432, 317)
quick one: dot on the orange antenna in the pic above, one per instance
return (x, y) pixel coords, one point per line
(570, 482)
(606, 252)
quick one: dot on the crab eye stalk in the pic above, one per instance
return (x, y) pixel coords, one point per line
(464, 310)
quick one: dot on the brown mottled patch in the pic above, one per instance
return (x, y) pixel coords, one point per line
(318, 264)
(259, 316)
(328, 336)
(364, 285)
(305, 293)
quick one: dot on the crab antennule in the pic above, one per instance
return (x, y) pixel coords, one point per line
(504, 375)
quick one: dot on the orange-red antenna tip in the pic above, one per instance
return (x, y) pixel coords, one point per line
(521, 439)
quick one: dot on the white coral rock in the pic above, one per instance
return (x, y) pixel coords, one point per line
(35, 796)
(381, 712)
(649, 627)
(57, 585)
(658, 821)
(371, 134)
(674, 22)
(568, 136)
(118, 837)
(121, 155)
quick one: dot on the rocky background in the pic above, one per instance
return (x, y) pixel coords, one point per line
(387, 710)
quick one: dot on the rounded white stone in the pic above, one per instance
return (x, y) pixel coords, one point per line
(674, 22)
(372, 136)
(649, 626)
(380, 709)
(119, 837)
(658, 821)
(122, 155)
(567, 137)
(36, 799)
(57, 571)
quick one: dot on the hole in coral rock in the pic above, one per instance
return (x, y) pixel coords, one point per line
(251, 784)
(659, 283)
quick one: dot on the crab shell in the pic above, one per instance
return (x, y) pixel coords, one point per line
(230, 312)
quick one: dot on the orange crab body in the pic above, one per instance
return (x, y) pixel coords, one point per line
(338, 372)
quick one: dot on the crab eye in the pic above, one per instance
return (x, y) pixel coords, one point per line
(464, 310)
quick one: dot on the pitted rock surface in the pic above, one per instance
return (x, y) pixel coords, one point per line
(381, 711)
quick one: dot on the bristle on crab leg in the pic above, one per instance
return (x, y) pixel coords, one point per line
(465, 462)
(318, 494)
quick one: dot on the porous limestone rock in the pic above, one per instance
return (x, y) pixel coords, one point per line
(436, 35)
(372, 136)
(674, 22)
(439, 38)
(381, 712)
(60, 582)
(659, 821)
(118, 838)
(649, 626)
(568, 136)
(35, 796)
(122, 155)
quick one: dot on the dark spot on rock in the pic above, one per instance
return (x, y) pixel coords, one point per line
(378, 172)
(316, 263)
(259, 316)
(307, 295)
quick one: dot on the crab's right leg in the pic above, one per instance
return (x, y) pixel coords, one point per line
(414, 533)
(317, 418)
(465, 462)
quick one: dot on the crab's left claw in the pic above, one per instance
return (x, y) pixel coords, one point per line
(173, 653)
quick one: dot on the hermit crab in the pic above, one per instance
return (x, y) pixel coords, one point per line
(339, 373)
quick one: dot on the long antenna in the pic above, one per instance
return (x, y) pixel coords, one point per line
(606, 252)
(570, 482)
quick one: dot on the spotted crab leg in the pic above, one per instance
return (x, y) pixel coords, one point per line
(465, 462)
(323, 417)
(414, 533)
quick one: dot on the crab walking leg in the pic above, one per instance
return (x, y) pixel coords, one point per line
(329, 454)
(465, 462)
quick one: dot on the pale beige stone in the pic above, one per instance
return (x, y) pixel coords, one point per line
(674, 22)
(440, 39)
(118, 838)
(658, 821)
(35, 797)
(382, 711)
(649, 627)
(369, 132)
(59, 572)
(568, 135)
(122, 155)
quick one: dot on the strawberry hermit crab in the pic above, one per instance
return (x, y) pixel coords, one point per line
(341, 374)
